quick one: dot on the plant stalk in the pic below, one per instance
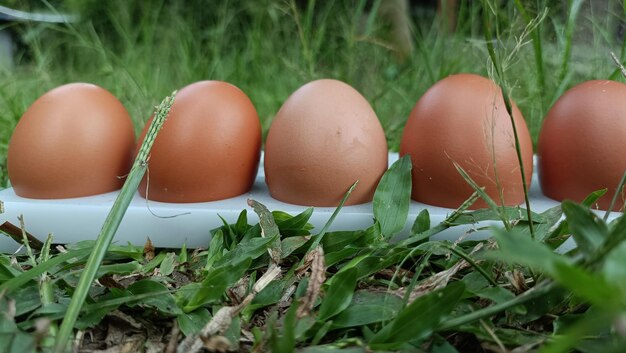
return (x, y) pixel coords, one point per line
(110, 226)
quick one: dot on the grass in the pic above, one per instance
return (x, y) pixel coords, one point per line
(274, 286)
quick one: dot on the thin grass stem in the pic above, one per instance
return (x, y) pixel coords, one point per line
(110, 226)
(537, 49)
(46, 291)
(518, 151)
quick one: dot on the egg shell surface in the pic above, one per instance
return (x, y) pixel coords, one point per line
(582, 144)
(463, 119)
(325, 137)
(208, 148)
(75, 140)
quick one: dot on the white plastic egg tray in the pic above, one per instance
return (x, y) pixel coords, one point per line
(172, 225)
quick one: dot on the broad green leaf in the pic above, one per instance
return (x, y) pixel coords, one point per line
(368, 308)
(420, 318)
(500, 295)
(269, 229)
(292, 226)
(121, 268)
(303, 325)
(291, 244)
(284, 341)
(339, 294)
(6, 270)
(486, 214)
(161, 299)
(317, 238)
(519, 248)
(422, 222)
(335, 241)
(241, 226)
(545, 230)
(393, 197)
(12, 339)
(340, 255)
(214, 285)
(27, 299)
(114, 252)
(167, 265)
(233, 333)
(266, 220)
(443, 347)
(588, 230)
(616, 237)
(230, 237)
(516, 248)
(591, 324)
(152, 264)
(592, 287)
(215, 250)
(17, 342)
(182, 254)
(591, 199)
(269, 295)
(248, 249)
(614, 268)
(191, 323)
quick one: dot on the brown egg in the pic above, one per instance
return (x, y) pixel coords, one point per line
(463, 119)
(75, 140)
(209, 146)
(582, 144)
(325, 137)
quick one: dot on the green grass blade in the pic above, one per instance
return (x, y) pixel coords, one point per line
(481, 192)
(422, 222)
(393, 197)
(269, 229)
(420, 318)
(588, 230)
(618, 194)
(574, 9)
(23, 278)
(319, 236)
(538, 51)
(339, 294)
(110, 226)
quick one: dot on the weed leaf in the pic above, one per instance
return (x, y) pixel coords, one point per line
(293, 226)
(213, 286)
(393, 197)
(422, 222)
(24, 277)
(591, 199)
(368, 308)
(339, 294)
(161, 297)
(420, 318)
(519, 248)
(588, 230)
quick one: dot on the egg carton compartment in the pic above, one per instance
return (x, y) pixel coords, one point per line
(172, 225)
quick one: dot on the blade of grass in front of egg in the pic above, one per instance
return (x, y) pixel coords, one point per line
(318, 238)
(481, 192)
(110, 226)
(393, 197)
(497, 64)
